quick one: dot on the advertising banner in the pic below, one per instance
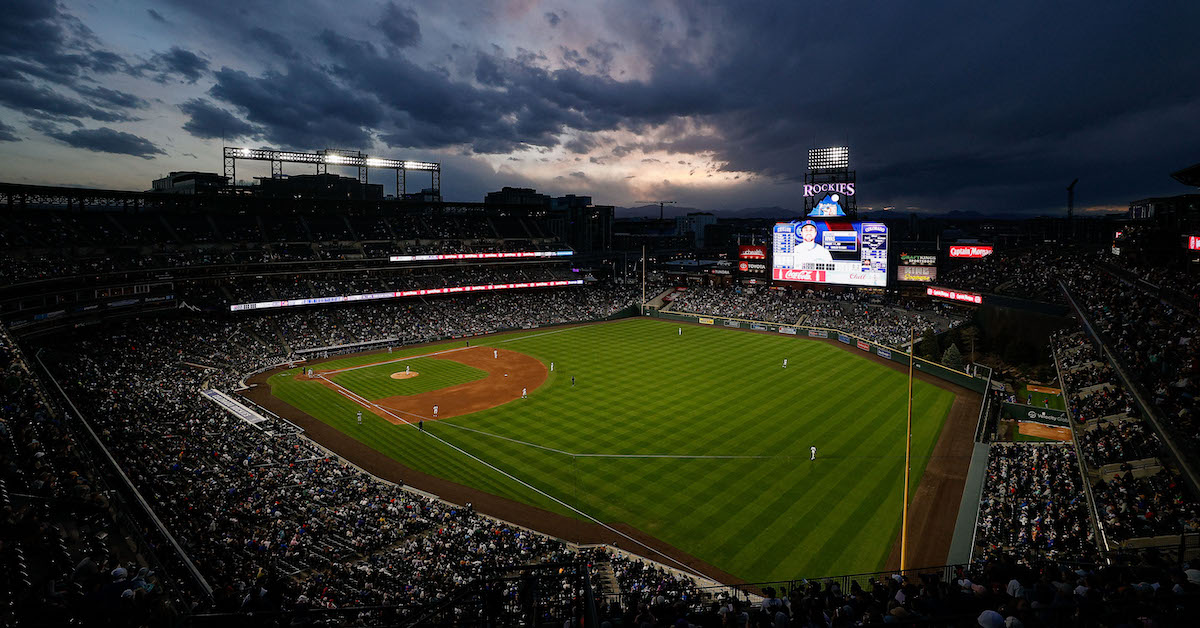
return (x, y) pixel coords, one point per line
(758, 251)
(818, 333)
(973, 251)
(923, 274)
(455, 256)
(954, 295)
(844, 338)
(883, 353)
(705, 321)
(1022, 412)
(791, 331)
(1194, 243)
(864, 346)
(262, 305)
(732, 324)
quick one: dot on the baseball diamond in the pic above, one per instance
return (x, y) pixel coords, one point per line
(696, 448)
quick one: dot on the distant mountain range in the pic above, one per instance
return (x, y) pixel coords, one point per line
(783, 213)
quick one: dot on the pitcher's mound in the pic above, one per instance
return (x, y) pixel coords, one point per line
(403, 375)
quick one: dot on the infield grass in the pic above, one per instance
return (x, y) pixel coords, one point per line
(766, 512)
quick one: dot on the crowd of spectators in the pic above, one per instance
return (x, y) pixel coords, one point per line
(45, 244)
(1130, 506)
(1111, 442)
(63, 556)
(1028, 274)
(1033, 501)
(870, 317)
(1151, 340)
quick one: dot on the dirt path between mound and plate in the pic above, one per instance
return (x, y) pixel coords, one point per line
(509, 374)
(932, 512)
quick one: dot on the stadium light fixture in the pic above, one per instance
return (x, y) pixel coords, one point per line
(831, 158)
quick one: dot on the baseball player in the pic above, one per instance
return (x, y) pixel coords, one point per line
(813, 451)
(680, 331)
(407, 369)
(421, 425)
(572, 381)
(551, 367)
(524, 393)
(435, 409)
(495, 354)
(360, 417)
(785, 363)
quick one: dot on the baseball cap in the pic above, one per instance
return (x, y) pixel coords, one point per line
(807, 223)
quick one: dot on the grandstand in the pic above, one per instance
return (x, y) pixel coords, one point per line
(151, 477)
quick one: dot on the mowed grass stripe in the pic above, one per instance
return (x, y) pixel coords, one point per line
(641, 388)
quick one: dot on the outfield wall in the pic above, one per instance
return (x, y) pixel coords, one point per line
(945, 373)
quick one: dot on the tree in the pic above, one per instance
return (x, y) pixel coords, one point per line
(970, 335)
(953, 357)
(927, 346)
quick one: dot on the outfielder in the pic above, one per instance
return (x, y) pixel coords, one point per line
(813, 449)
(360, 417)
(785, 363)
(680, 331)
(551, 367)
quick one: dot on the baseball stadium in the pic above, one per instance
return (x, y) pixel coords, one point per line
(251, 379)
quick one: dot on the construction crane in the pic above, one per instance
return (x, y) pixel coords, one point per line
(661, 213)
(1071, 199)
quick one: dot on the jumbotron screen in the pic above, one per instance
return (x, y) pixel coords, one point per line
(832, 252)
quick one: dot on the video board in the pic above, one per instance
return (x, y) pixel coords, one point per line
(831, 252)
(456, 256)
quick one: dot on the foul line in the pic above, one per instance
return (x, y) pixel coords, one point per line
(407, 357)
(365, 402)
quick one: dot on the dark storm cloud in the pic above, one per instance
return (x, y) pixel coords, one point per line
(176, 64)
(399, 25)
(39, 39)
(111, 97)
(299, 108)
(7, 133)
(156, 16)
(207, 121)
(106, 140)
(34, 100)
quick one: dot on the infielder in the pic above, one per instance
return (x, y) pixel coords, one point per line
(785, 363)
(551, 367)
(495, 354)
(524, 393)
(813, 449)
(435, 409)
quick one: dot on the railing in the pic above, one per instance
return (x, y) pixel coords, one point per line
(89, 438)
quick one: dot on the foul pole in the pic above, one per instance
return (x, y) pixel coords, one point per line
(907, 452)
(643, 308)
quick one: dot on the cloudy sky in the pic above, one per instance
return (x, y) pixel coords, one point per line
(988, 107)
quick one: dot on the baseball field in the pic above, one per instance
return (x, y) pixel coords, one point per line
(700, 440)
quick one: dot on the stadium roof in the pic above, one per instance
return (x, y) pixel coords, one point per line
(1188, 176)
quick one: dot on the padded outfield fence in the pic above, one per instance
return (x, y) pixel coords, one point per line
(960, 378)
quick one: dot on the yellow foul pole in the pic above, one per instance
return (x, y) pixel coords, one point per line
(907, 451)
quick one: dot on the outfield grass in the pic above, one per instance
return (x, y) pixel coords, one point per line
(642, 389)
